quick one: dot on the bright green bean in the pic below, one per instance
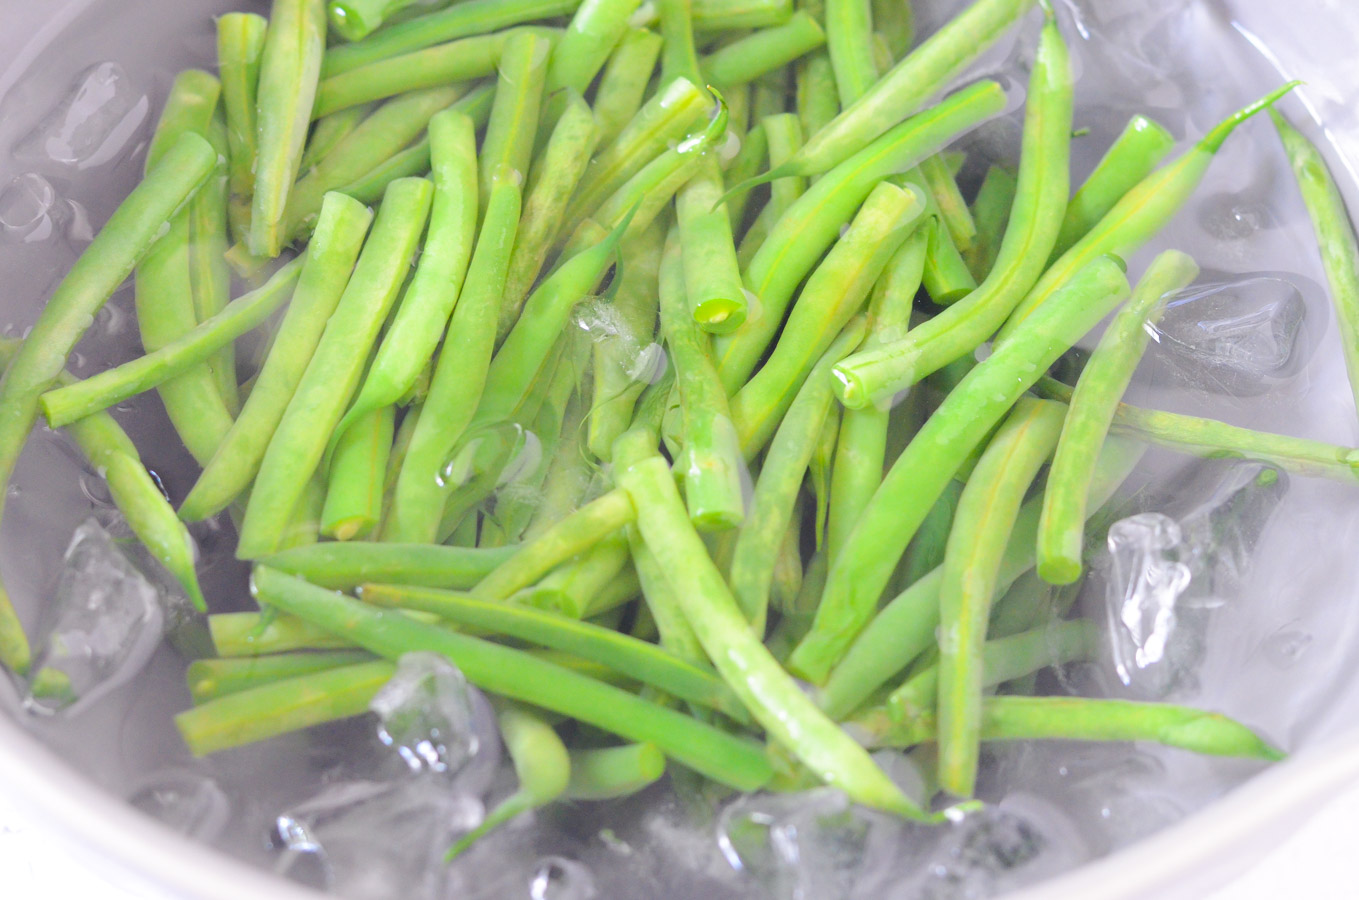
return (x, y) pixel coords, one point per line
(209, 274)
(209, 679)
(640, 660)
(572, 589)
(895, 22)
(985, 517)
(589, 40)
(510, 673)
(991, 213)
(328, 131)
(818, 99)
(240, 44)
(946, 277)
(290, 68)
(858, 575)
(513, 127)
(1101, 386)
(849, 36)
(460, 375)
(776, 490)
(1335, 235)
(612, 772)
(424, 310)
(298, 445)
(1142, 212)
(624, 82)
(762, 52)
(952, 208)
(748, 160)
(446, 64)
(832, 295)
(354, 20)
(354, 483)
(429, 565)
(249, 634)
(334, 247)
(783, 135)
(813, 222)
(679, 59)
(874, 376)
(712, 279)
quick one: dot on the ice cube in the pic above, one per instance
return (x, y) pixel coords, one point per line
(1142, 596)
(425, 713)
(103, 624)
(188, 802)
(1240, 335)
(559, 878)
(93, 125)
(367, 840)
(25, 209)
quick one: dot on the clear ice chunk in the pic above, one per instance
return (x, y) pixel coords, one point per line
(366, 840)
(25, 209)
(92, 126)
(103, 624)
(426, 714)
(1143, 596)
(1238, 335)
(189, 802)
(559, 878)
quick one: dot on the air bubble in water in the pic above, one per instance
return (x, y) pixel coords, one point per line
(94, 124)
(25, 207)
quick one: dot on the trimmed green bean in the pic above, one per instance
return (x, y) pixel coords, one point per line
(986, 515)
(772, 697)
(858, 575)
(952, 208)
(781, 474)
(428, 301)
(624, 82)
(730, 15)
(1101, 386)
(209, 679)
(747, 161)
(332, 375)
(612, 772)
(428, 565)
(679, 59)
(290, 69)
(813, 222)
(465, 19)
(991, 213)
(209, 274)
(712, 278)
(832, 295)
(439, 66)
(849, 42)
(876, 375)
(783, 134)
(459, 377)
(762, 52)
(589, 40)
(354, 20)
(354, 483)
(247, 634)
(818, 98)
(637, 659)
(1335, 235)
(328, 131)
(510, 673)
(513, 127)
(573, 588)
(240, 44)
(1140, 213)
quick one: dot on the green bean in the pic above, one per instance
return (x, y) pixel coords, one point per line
(209, 679)
(1101, 386)
(354, 483)
(465, 19)
(874, 376)
(1142, 211)
(679, 59)
(861, 446)
(786, 581)
(783, 134)
(589, 40)
(290, 68)
(730, 15)
(519, 362)
(1012, 718)
(1134, 154)
(773, 698)
(554, 176)
(764, 51)
(769, 95)
(813, 222)
(516, 675)
(240, 43)
(858, 575)
(460, 375)
(908, 86)
(513, 127)
(925, 552)
(818, 98)
(675, 632)
(270, 710)
(328, 131)
(331, 377)
(541, 763)
(303, 527)
(354, 20)
(849, 36)
(429, 565)
(619, 359)
(637, 659)
(572, 588)
(832, 295)
(107, 261)
(906, 626)
(747, 161)
(776, 490)
(953, 209)
(325, 273)
(209, 274)
(712, 279)
(991, 213)
(946, 277)
(429, 300)
(78, 399)
(1335, 235)
(574, 534)
(438, 66)
(819, 473)
(665, 117)
(986, 515)
(895, 23)
(1002, 660)
(711, 463)
(624, 81)
(248, 634)
(612, 772)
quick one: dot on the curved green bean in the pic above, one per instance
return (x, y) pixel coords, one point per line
(762, 52)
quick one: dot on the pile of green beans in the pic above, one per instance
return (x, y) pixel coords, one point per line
(563, 393)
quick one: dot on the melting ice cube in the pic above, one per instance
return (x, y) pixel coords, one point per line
(426, 714)
(101, 116)
(104, 622)
(189, 802)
